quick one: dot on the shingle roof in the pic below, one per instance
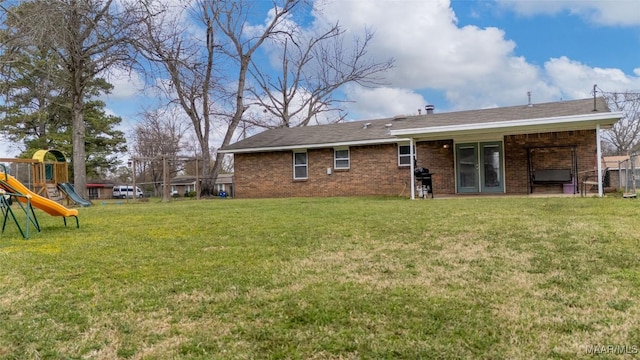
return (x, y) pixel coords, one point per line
(378, 130)
(190, 179)
(614, 162)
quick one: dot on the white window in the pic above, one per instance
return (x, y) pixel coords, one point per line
(300, 165)
(341, 158)
(404, 155)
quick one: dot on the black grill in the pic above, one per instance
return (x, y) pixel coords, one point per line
(424, 177)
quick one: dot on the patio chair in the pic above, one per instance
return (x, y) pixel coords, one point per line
(590, 179)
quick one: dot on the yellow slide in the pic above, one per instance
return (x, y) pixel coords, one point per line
(49, 206)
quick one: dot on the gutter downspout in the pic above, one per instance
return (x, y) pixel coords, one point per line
(413, 168)
(599, 157)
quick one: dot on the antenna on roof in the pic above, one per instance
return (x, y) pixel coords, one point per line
(595, 108)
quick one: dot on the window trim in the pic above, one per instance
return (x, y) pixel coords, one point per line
(336, 159)
(403, 156)
(305, 165)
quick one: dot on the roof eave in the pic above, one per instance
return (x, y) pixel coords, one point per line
(574, 122)
(558, 123)
(388, 140)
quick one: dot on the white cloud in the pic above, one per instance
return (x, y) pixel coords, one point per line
(429, 48)
(600, 12)
(373, 103)
(474, 67)
(126, 84)
(10, 149)
(576, 79)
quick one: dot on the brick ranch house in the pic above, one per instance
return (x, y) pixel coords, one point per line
(508, 150)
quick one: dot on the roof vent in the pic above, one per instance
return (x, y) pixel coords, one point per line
(388, 125)
(366, 126)
(399, 118)
(429, 109)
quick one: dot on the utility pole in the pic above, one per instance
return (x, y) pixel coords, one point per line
(165, 180)
(133, 176)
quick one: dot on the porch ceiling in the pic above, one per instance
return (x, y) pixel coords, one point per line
(501, 128)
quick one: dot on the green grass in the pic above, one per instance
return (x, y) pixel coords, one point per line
(334, 278)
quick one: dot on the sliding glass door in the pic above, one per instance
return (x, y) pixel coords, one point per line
(479, 167)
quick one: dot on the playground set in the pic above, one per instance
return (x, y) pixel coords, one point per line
(47, 173)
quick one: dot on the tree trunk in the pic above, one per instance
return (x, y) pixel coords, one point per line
(207, 185)
(79, 153)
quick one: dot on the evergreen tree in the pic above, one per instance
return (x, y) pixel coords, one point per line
(85, 39)
(37, 112)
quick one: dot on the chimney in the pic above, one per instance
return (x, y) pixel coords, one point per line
(429, 109)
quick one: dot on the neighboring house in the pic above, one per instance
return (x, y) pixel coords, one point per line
(99, 190)
(181, 185)
(624, 169)
(224, 183)
(508, 150)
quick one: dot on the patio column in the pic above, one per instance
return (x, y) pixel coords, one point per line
(412, 151)
(599, 157)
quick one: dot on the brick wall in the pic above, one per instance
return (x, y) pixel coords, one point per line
(374, 169)
(437, 156)
(545, 156)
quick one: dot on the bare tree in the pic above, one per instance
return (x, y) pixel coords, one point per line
(186, 62)
(87, 38)
(624, 136)
(313, 68)
(189, 62)
(241, 45)
(158, 135)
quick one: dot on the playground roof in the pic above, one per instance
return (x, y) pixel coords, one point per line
(40, 155)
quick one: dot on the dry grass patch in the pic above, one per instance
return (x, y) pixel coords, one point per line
(336, 278)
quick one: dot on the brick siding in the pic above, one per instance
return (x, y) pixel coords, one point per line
(374, 169)
(546, 153)
(433, 155)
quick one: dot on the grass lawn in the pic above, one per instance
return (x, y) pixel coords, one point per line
(335, 278)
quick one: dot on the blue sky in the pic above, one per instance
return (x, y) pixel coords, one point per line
(471, 54)
(474, 54)
(540, 36)
(575, 31)
(479, 54)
